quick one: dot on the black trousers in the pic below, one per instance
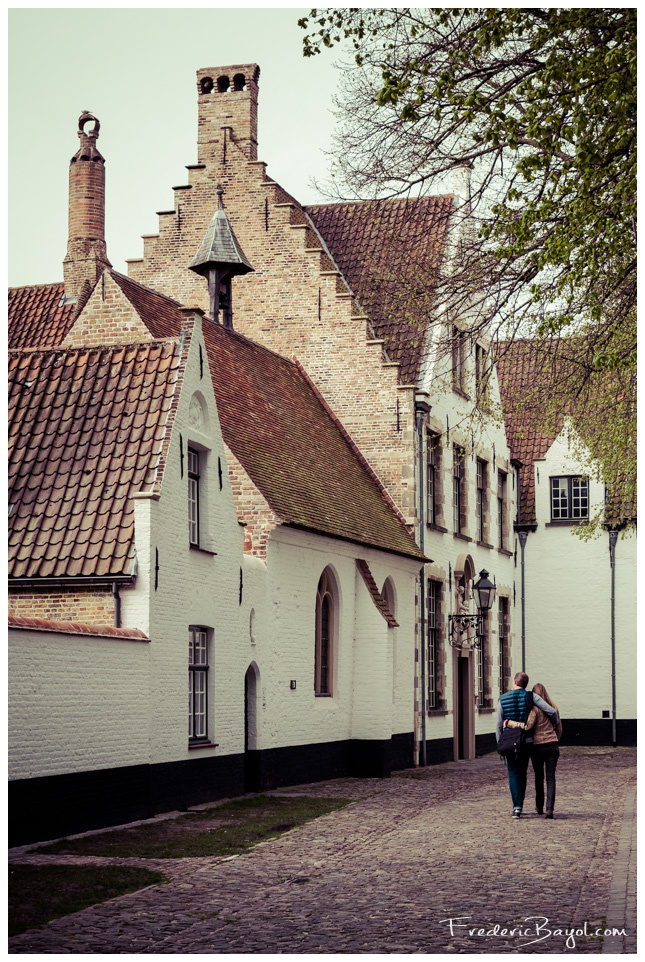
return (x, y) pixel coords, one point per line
(544, 758)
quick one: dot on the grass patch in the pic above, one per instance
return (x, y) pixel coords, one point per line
(228, 829)
(40, 893)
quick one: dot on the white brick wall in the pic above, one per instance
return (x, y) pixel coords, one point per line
(76, 703)
(568, 608)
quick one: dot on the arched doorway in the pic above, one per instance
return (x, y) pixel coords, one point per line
(251, 723)
(463, 667)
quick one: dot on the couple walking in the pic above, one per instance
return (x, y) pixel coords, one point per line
(539, 716)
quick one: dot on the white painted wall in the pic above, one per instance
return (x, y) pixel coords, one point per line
(76, 703)
(568, 609)
(451, 416)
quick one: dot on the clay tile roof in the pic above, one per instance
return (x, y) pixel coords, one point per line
(159, 313)
(279, 429)
(87, 429)
(74, 628)
(525, 370)
(389, 253)
(38, 316)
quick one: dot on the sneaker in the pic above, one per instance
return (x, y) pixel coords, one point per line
(517, 813)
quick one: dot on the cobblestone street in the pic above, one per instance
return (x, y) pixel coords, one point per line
(387, 873)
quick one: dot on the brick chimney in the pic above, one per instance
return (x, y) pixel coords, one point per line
(86, 257)
(227, 100)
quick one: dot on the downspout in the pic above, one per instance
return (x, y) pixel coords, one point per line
(422, 408)
(613, 537)
(117, 604)
(523, 535)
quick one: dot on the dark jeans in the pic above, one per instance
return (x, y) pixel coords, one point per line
(545, 758)
(517, 769)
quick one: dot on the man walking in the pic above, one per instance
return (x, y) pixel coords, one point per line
(515, 705)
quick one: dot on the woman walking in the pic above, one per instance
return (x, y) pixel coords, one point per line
(544, 752)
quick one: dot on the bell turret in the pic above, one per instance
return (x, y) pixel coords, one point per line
(219, 258)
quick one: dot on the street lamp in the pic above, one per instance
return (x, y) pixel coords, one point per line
(458, 624)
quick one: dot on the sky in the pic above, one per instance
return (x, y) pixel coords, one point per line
(135, 69)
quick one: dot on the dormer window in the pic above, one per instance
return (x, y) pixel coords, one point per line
(569, 499)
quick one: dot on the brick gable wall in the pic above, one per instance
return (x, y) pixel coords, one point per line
(295, 302)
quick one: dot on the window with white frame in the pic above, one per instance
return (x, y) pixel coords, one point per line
(193, 496)
(458, 359)
(458, 469)
(197, 684)
(569, 499)
(482, 659)
(481, 499)
(433, 476)
(502, 632)
(501, 509)
(434, 589)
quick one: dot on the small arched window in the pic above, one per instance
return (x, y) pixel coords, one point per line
(325, 618)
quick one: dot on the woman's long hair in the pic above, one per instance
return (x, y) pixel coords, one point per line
(540, 690)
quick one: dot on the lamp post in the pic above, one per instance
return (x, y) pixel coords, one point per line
(458, 624)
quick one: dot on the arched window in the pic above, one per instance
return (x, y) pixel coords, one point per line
(325, 619)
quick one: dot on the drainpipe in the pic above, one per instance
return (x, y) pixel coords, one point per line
(117, 604)
(422, 408)
(613, 537)
(523, 535)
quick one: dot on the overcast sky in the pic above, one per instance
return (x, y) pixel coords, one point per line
(135, 70)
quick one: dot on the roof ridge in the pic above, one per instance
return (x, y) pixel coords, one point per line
(378, 200)
(24, 287)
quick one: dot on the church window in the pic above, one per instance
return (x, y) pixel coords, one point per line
(325, 621)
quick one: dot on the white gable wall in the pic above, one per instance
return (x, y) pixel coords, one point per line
(568, 603)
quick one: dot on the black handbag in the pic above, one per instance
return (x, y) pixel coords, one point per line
(513, 740)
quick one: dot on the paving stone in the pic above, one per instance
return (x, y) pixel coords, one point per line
(387, 873)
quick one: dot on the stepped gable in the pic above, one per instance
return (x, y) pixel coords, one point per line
(389, 253)
(296, 454)
(159, 313)
(38, 316)
(88, 428)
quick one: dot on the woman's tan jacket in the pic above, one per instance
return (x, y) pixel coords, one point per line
(542, 729)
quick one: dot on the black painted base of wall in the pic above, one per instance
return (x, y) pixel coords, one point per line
(47, 808)
(598, 731)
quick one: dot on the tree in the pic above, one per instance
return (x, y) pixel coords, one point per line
(540, 105)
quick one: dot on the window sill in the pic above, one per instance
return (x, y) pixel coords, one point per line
(462, 537)
(323, 694)
(485, 711)
(505, 552)
(437, 712)
(460, 392)
(197, 547)
(436, 527)
(484, 544)
(193, 745)
(573, 523)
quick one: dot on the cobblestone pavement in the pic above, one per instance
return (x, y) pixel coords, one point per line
(385, 874)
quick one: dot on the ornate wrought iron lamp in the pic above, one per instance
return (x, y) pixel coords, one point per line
(460, 623)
